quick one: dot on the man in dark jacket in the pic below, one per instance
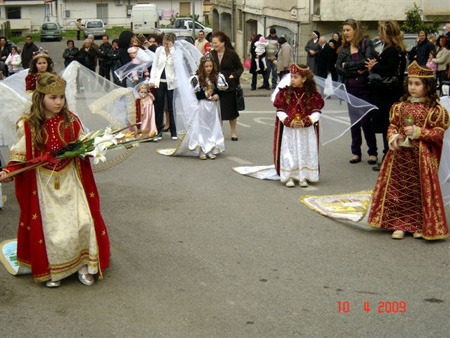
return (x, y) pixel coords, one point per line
(421, 52)
(88, 55)
(326, 59)
(104, 61)
(5, 50)
(27, 52)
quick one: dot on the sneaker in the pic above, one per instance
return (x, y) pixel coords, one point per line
(211, 156)
(303, 184)
(158, 136)
(290, 184)
(398, 234)
(174, 138)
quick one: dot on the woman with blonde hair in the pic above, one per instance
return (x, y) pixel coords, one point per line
(390, 67)
(351, 66)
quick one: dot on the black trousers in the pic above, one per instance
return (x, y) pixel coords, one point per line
(78, 35)
(105, 71)
(162, 93)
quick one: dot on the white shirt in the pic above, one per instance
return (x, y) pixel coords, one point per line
(163, 62)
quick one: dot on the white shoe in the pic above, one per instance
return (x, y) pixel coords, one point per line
(417, 235)
(398, 234)
(86, 278)
(52, 284)
(290, 184)
(157, 138)
(174, 138)
(202, 156)
(303, 184)
(211, 156)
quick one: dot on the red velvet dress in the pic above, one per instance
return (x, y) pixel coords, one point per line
(297, 109)
(30, 83)
(407, 195)
(40, 219)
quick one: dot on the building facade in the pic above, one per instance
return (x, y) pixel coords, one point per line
(296, 19)
(27, 16)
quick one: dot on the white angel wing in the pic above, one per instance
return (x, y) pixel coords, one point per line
(14, 102)
(341, 111)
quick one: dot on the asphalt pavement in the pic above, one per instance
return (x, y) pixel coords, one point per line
(198, 250)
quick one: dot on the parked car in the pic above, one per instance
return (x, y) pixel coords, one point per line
(51, 30)
(144, 19)
(188, 38)
(95, 27)
(183, 26)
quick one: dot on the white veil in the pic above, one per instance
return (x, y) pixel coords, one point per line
(137, 66)
(98, 102)
(334, 123)
(187, 59)
(444, 165)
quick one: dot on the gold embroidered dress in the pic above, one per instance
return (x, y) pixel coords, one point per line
(407, 195)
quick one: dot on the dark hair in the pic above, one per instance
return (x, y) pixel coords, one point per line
(256, 38)
(429, 83)
(125, 39)
(33, 67)
(309, 85)
(106, 36)
(334, 42)
(29, 36)
(2, 37)
(201, 31)
(221, 36)
(213, 77)
(282, 40)
(273, 31)
(73, 43)
(115, 41)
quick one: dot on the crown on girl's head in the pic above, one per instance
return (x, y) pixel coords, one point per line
(58, 87)
(206, 57)
(296, 69)
(41, 53)
(414, 70)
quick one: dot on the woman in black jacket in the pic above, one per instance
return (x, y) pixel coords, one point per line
(391, 66)
(351, 66)
(70, 53)
(254, 66)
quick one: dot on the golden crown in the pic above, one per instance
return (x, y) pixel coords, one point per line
(296, 69)
(58, 87)
(41, 53)
(414, 70)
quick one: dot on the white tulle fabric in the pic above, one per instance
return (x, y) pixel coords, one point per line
(137, 66)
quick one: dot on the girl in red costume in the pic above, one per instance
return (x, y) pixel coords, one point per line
(407, 196)
(41, 63)
(61, 230)
(296, 145)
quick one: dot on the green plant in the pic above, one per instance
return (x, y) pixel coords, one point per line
(414, 22)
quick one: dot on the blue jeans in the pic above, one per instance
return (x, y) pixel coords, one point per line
(271, 68)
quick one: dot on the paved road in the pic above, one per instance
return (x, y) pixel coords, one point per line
(200, 251)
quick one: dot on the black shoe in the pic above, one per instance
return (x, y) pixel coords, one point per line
(355, 160)
(274, 86)
(166, 130)
(377, 168)
(264, 87)
(372, 162)
(234, 139)
(253, 88)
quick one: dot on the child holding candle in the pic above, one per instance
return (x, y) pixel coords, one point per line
(407, 196)
(296, 144)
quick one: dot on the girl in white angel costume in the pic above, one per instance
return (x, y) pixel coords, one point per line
(203, 135)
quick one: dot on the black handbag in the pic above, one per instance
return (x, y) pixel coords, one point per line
(240, 102)
(382, 82)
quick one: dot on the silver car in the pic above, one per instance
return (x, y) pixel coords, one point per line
(95, 27)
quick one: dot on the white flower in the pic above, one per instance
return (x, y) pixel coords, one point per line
(97, 154)
(103, 142)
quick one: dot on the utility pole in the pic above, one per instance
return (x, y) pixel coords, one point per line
(193, 19)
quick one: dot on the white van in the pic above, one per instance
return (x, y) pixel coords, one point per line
(144, 19)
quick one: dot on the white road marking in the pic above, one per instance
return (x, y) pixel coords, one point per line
(243, 125)
(260, 120)
(238, 160)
